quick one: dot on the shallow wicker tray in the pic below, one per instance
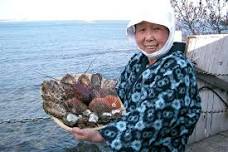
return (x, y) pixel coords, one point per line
(67, 128)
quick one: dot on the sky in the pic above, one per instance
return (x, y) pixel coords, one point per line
(69, 9)
(66, 9)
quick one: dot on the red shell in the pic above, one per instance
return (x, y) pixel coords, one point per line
(106, 104)
(107, 91)
(83, 93)
(99, 105)
(113, 101)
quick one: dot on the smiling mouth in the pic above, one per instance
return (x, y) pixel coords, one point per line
(151, 46)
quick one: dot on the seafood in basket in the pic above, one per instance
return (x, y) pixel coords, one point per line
(82, 100)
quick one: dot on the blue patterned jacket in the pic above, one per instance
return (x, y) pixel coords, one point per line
(162, 104)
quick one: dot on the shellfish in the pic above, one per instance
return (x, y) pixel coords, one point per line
(105, 104)
(99, 106)
(96, 81)
(75, 106)
(85, 100)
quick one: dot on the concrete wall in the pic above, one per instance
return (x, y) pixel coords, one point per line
(210, 53)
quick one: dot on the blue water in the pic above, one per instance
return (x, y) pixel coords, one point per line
(31, 51)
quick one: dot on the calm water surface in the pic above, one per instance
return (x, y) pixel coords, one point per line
(31, 51)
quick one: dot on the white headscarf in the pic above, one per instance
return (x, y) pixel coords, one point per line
(158, 12)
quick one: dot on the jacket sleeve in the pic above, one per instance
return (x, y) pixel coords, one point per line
(165, 98)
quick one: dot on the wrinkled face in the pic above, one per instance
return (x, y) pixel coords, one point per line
(150, 37)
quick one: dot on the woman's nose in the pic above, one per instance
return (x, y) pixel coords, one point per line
(149, 35)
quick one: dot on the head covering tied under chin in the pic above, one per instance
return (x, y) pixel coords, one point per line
(158, 12)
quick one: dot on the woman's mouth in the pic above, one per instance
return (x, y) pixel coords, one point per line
(151, 47)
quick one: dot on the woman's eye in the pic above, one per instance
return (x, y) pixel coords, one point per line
(142, 29)
(156, 28)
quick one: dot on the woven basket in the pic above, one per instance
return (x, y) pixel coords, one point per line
(59, 121)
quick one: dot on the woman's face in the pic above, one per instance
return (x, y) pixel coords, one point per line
(150, 37)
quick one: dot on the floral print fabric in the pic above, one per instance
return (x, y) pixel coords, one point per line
(162, 104)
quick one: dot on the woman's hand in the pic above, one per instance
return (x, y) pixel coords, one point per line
(87, 135)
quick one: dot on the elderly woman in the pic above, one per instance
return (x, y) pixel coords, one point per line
(158, 88)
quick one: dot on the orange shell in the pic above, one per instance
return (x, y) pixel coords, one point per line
(99, 105)
(113, 101)
(97, 100)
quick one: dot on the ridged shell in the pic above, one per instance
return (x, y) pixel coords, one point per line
(114, 101)
(99, 105)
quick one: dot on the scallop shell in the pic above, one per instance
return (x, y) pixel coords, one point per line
(99, 106)
(114, 101)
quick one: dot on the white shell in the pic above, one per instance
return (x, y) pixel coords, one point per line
(106, 114)
(72, 118)
(116, 111)
(93, 118)
(87, 112)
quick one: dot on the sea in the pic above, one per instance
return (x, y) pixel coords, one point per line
(34, 51)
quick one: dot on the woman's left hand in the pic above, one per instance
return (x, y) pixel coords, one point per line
(87, 134)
